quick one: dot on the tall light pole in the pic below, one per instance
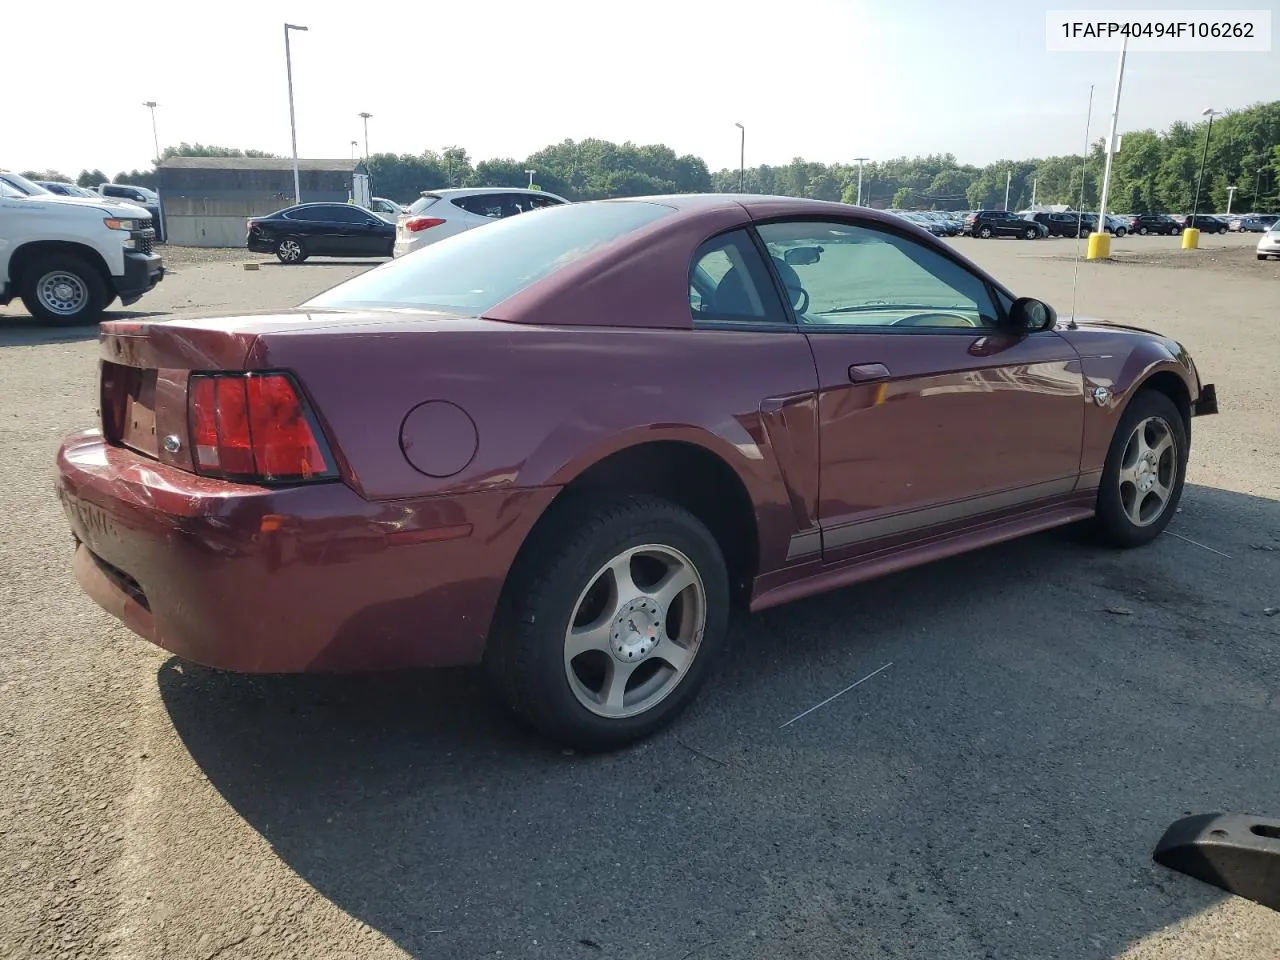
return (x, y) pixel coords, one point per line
(742, 159)
(1231, 195)
(531, 173)
(1110, 144)
(1195, 206)
(151, 105)
(365, 117)
(1008, 182)
(861, 161)
(293, 123)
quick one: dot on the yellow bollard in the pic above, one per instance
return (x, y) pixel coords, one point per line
(1190, 238)
(1099, 246)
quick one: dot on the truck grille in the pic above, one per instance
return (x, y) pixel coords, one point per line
(143, 239)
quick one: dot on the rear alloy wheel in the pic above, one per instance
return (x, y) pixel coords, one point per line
(609, 625)
(1142, 231)
(63, 290)
(290, 251)
(985, 233)
(1144, 472)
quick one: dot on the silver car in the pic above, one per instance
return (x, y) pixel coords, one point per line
(442, 213)
(1269, 242)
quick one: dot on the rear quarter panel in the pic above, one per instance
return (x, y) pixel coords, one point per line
(549, 402)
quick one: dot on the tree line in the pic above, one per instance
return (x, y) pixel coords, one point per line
(1154, 171)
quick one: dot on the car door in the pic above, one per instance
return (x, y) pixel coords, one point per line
(347, 233)
(310, 224)
(932, 413)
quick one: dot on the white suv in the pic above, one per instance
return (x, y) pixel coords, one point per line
(442, 213)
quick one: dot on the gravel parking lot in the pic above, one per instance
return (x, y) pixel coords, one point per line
(1044, 711)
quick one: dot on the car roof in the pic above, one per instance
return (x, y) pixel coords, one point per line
(448, 192)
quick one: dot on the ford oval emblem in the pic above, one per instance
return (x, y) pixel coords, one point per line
(171, 443)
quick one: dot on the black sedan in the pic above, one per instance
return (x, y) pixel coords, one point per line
(321, 230)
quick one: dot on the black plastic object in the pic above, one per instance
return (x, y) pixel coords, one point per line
(1238, 853)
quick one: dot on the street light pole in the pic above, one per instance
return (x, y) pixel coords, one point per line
(365, 117)
(293, 124)
(354, 144)
(861, 161)
(151, 104)
(1008, 182)
(742, 159)
(531, 173)
(1231, 195)
(1195, 206)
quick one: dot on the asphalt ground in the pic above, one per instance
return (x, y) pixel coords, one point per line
(1042, 711)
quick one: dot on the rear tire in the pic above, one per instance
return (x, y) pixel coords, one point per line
(564, 594)
(64, 290)
(290, 251)
(1145, 470)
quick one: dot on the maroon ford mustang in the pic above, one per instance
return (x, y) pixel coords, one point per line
(565, 445)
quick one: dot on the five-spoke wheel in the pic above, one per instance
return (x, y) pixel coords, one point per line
(1144, 472)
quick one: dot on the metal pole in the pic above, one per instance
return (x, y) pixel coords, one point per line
(293, 124)
(1035, 182)
(155, 136)
(1008, 182)
(1231, 194)
(365, 117)
(1111, 139)
(531, 173)
(742, 159)
(1195, 207)
(1257, 181)
(860, 162)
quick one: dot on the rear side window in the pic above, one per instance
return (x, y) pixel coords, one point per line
(483, 204)
(348, 214)
(422, 203)
(729, 283)
(471, 272)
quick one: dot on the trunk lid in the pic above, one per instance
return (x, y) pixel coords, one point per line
(145, 366)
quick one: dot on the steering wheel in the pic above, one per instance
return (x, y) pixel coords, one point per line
(791, 283)
(930, 319)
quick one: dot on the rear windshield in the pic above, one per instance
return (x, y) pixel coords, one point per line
(422, 203)
(470, 272)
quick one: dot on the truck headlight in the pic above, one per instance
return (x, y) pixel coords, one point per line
(115, 224)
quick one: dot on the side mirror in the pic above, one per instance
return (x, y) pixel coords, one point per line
(802, 256)
(1029, 315)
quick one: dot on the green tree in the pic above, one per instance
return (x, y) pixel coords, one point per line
(91, 178)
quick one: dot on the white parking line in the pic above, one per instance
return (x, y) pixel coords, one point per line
(840, 694)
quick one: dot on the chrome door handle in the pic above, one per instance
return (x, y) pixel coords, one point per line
(868, 372)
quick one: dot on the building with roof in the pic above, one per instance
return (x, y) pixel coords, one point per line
(206, 200)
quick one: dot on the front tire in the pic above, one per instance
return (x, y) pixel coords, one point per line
(64, 290)
(1120, 232)
(1145, 470)
(1032, 234)
(611, 620)
(985, 233)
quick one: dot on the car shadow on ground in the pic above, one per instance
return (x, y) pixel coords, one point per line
(323, 262)
(1050, 708)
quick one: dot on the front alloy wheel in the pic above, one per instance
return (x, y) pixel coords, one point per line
(1144, 472)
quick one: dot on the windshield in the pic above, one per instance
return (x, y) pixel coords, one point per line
(470, 272)
(29, 187)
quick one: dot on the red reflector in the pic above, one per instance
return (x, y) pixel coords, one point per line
(253, 427)
(422, 223)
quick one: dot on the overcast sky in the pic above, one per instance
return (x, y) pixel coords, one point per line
(824, 79)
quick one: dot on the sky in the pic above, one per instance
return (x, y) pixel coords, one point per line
(827, 80)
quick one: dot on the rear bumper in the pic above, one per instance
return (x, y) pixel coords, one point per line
(309, 578)
(258, 244)
(142, 271)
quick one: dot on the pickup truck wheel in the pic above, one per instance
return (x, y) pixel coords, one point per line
(611, 622)
(290, 250)
(1144, 472)
(63, 290)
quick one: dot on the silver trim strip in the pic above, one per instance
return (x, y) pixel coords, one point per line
(861, 531)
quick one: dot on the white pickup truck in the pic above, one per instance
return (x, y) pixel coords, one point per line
(68, 258)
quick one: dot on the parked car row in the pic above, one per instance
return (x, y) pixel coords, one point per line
(306, 230)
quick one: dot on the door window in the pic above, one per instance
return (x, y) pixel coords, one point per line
(340, 213)
(482, 204)
(851, 277)
(729, 283)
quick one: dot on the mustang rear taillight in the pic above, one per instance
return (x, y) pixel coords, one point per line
(422, 223)
(254, 427)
